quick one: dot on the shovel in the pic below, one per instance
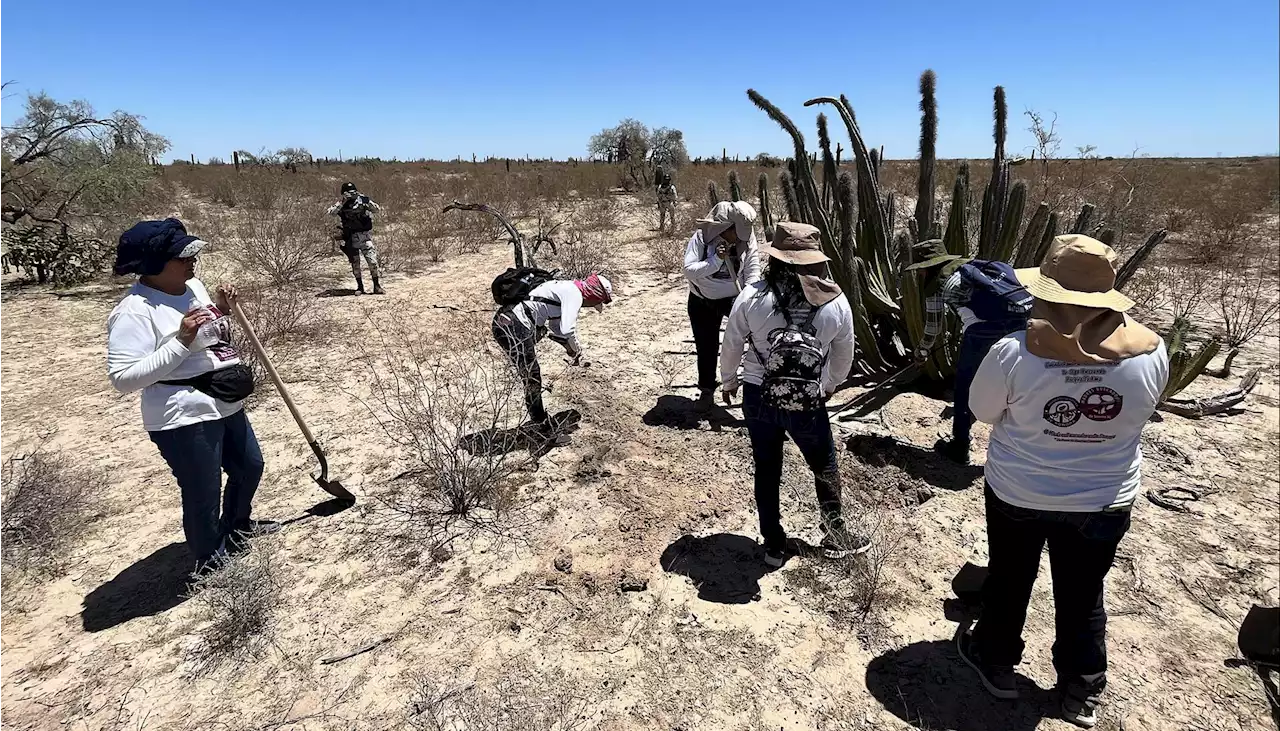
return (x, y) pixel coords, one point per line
(333, 487)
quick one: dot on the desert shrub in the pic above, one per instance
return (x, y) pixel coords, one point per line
(285, 320)
(1246, 295)
(55, 255)
(853, 589)
(669, 366)
(48, 501)
(580, 255)
(666, 256)
(598, 215)
(521, 698)
(284, 242)
(237, 605)
(448, 406)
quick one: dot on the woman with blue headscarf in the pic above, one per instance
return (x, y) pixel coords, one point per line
(170, 340)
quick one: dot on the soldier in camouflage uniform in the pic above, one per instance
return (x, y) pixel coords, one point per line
(355, 211)
(666, 204)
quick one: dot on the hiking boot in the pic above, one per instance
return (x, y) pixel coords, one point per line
(840, 541)
(999, 680)
(360, 290)
(550, 435)
(1080, 702)
(210, 564)
(706, 396)
(955, 451)
(377, 289)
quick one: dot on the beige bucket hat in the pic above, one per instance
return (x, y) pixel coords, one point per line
(738, 214)
(796, 243)
(1077, 270)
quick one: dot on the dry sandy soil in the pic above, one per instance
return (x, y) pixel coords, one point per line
(651, 493)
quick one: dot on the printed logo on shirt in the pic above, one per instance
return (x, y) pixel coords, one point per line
(1083, 375)
(1061, 411)
(1101, 404)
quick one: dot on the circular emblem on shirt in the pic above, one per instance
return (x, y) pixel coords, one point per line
(1101, 404)
(1062, 411)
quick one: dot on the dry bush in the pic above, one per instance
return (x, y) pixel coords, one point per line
(598, 215)
(581, 255)
(851, 590)
(453, 408)
(286, 320)
(237, 605)
(283, 243)
(48, 500)
(1246, 295)
(521, 698)
(666, 256)
(669, 366)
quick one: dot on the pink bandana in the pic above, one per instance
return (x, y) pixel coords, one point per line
(595, 290)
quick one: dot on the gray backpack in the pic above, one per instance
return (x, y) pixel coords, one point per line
(793, 368)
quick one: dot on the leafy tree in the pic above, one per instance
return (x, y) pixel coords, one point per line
(639, 150)
(67, 175)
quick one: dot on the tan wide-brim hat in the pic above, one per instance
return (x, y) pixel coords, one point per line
(1077, 270)
(796, 243)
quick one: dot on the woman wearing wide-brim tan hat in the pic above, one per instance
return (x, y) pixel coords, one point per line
(721, 259)
(796, 291)
(1067, 399)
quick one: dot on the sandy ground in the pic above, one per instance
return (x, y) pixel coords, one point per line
(652, 493)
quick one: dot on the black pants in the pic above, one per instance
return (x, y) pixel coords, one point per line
(1082, 548)
(705, 317)
(520, 345)
(811, 431)
(974, 346)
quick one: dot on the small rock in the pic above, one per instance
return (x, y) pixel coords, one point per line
(924, 495)
(563, 563)
(631, 582)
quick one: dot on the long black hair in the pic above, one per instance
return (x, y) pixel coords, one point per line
(784, 281)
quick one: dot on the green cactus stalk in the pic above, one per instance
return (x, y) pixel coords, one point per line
(956, 237)
(789, 195)
(1084, 221)
(1139, 257)
(766, 209)
(828, 162)
(735, 186)
(713, 195)
(1184, 365)
(1050, 232)
(1012, 222)
(925, 184)
(847, 209)
(995, 197)
(806, 187)
(1031, 238)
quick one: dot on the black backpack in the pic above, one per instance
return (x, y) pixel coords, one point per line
(996, 295)
(793, 371)
(514, 285)
(355, 216)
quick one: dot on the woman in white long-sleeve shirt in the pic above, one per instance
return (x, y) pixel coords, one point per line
(552, 308)
(168, 339)
(796, 289)
(1067, 400)
(723, 246)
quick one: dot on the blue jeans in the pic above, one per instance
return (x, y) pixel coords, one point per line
(1082, 548)
(974, 346)
(811, 431)
(198, 454)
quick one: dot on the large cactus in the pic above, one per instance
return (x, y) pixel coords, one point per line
(766, 208)
(735, 186)
(713, 194)
(868, 253)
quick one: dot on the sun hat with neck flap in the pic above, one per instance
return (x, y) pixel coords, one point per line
(800, 245)
(1078, 315)
(738, 215)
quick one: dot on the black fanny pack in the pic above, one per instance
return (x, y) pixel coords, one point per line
(231, 384)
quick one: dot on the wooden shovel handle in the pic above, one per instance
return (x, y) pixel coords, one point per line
(271, 369)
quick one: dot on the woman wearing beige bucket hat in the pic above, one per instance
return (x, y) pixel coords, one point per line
(795, 329)
(721, 260)
(1067, 399)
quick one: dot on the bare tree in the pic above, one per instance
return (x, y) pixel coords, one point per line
(1047, 142)
(1246, 301)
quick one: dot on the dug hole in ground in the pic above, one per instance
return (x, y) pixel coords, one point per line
(623, 587)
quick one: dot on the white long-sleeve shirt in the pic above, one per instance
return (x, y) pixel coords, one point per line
(755, 314)
(708, 274)
(1065, 436)
(143, 349)
(558, 313)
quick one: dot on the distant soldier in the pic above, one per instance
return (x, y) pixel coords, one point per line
(666, 204)
(356, 210)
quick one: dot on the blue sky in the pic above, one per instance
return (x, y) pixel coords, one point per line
(438, 80)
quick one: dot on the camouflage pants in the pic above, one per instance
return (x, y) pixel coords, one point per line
(361, 244)
(666, 214)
